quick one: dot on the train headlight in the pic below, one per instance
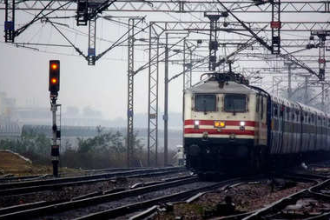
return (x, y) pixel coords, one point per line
(242, 125)
(196, 124)
(219, 124)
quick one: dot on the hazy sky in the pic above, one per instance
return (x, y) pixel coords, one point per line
(24, 72)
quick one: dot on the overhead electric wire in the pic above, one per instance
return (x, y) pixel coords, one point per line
(154, 58)
(65, 54)
(76, 48)
(286, 56)
(119, 41)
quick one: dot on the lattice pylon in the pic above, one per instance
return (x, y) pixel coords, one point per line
(130, 94)
(276, 26)
(322, 61)
(9, 25)
(153, 98)
(91, 55)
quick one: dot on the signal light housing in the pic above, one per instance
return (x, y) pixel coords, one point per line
(54, 77)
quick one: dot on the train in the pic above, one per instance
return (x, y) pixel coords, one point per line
(231, 126)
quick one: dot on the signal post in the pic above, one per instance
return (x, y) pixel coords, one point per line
(54, 87)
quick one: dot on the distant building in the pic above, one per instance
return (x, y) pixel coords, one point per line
(9, 127)
(7, 106)
(9, 130)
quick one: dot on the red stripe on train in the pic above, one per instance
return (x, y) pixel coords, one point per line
(215, 131)
(228, 123)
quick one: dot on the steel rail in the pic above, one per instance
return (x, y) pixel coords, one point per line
(39, 188)
(84, 178)
(282, 203)
(71, 205)
(126, 209)
(32, 205)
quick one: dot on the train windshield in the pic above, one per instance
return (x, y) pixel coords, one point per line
(235, 103)
(205, 103)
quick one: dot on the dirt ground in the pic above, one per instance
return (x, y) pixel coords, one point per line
(12, 163)
(246, 198)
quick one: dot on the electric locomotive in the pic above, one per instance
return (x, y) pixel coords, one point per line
(232, 126)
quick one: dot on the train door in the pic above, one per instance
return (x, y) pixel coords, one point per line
(262, 123)
(298, 128)
(328, 135)
(325, 129)
(257, 124)
(262, 109)
(281, 127)
(288, 131)
(293, 128)
(274, 128)
(323, 133)
(317, 131)
(308, 131)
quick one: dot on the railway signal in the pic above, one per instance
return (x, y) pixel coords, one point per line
(54, 87)
(54, 77)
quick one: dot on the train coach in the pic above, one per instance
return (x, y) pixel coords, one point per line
(230, 125)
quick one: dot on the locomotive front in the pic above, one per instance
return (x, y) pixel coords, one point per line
(220, 123)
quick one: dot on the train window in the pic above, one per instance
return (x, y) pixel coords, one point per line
(257, 102)
(298, 115)
(281, 111)
(275, 111)
(205, 103)
(262, 107)
(235, 103)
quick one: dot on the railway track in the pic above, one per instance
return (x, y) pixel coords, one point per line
(12, 178)
(293, 207)
(237, 192)
(124, 210)
(311, 203)
(53, 184)
(23, 178)
(36, 210)
(39, 204)
(124, 203)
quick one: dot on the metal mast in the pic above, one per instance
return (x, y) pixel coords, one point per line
(276, 26)
(165, 117)
(130, 93)
(153, 98)
(213, 44)
(306, 90)
(9, 21)
(322, 35)
(290, 66)
(91, 41)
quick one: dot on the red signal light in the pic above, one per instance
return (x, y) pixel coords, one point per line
(54, 77)
(54, 66)
(54, 80)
